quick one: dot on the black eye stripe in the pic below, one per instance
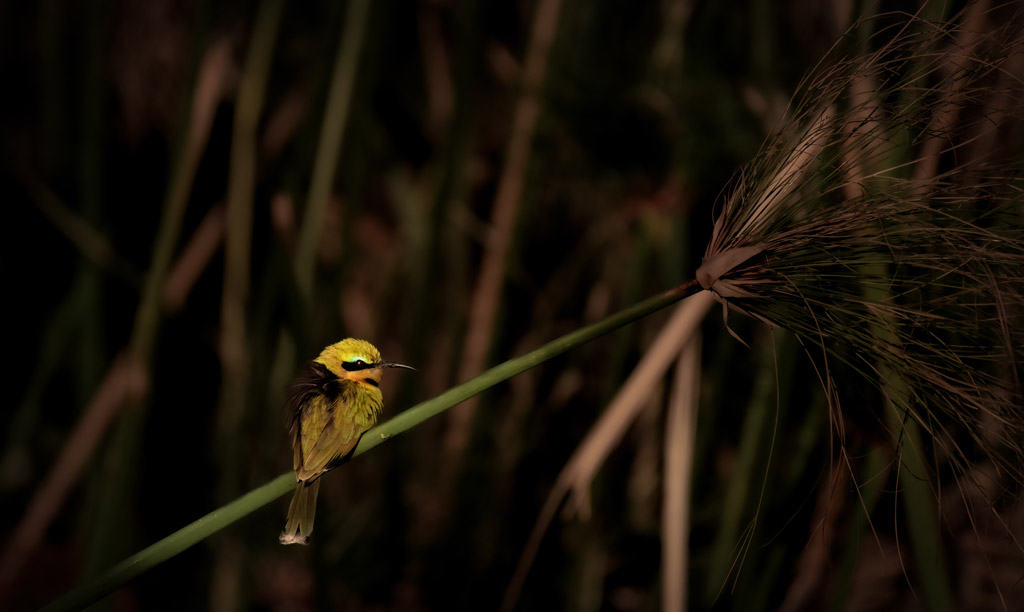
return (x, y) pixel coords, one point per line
(354, 366)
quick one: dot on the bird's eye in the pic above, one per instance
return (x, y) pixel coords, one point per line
(360, 363)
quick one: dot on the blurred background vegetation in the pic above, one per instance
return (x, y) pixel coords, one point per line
(202, 195)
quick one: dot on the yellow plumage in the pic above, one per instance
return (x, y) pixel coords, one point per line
(332, 403)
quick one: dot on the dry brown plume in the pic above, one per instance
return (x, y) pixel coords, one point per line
(917, 275)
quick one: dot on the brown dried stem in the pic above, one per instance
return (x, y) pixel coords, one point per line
(126, 379)
(194, 259)
(122, 381)
(575, 478)
(487, 294)
(680, 442)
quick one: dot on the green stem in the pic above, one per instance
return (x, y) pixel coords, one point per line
(332, 134)
(213, 522)
(732, 541)
(238, 237)
(922, 518)
(124, 444)
(875, 476)
(234, 346)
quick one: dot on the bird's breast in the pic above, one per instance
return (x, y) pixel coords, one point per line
(362, 407)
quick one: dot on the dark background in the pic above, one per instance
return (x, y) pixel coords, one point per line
(646, 111)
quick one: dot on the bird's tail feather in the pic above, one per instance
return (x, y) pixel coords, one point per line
(301, 512)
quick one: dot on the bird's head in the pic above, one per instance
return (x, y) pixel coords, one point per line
(356, 360)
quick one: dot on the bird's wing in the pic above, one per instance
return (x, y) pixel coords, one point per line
(335, 440)
(318, 437)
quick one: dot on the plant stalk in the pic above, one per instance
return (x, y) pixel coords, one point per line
(332, 136)
(220, 518)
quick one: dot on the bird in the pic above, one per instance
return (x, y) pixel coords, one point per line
(334, 400)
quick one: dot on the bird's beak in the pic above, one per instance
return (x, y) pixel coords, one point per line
(392, 364)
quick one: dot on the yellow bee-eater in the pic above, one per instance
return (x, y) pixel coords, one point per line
(332, 403)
